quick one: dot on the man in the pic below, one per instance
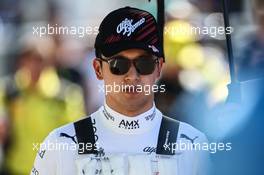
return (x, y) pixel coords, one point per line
(128, 134)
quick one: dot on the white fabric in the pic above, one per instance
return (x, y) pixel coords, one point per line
(131, 142)
(139, 164)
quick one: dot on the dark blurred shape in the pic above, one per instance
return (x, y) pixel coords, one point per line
(235, 6)
(173, 89)
(10, 11)
(251, 60)
(204, 5)
(165, 100)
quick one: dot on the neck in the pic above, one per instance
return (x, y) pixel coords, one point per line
(129, 110)
(123, 124)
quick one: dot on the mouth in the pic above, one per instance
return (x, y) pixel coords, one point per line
(132, 93)
(132, 89)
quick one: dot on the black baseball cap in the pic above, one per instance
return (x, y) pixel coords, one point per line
(128, 28)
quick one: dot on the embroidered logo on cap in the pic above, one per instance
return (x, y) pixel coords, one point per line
(154, 49)
(127, 27)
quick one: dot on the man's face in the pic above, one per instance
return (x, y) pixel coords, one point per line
(124, 95)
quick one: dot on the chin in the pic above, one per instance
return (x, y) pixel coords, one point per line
(135, 98)
(135, 95)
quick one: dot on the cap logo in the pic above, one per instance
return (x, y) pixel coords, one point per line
(154, 49)
(127, 27)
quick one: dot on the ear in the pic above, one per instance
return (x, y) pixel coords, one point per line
(98, 69)
(159, 66)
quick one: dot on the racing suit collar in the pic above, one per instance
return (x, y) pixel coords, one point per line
(130, 125)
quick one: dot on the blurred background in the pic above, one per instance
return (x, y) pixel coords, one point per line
(47, 80)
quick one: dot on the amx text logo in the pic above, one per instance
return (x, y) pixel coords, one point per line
(129, 124)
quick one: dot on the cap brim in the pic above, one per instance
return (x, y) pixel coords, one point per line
(114, 48)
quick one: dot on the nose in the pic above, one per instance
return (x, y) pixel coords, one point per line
(132, 75)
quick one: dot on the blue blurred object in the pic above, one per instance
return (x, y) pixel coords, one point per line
(247, 138)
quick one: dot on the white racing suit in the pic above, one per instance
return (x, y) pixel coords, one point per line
(109, 143)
